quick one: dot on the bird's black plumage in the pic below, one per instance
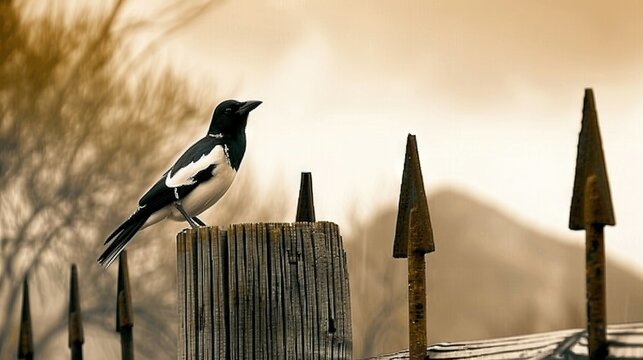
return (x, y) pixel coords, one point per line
(161, 193)
(196, 180)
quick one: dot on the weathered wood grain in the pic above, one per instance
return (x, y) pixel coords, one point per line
(321, 278)
(263, 291)
(180, 280)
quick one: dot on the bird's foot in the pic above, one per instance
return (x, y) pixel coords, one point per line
(187, 217)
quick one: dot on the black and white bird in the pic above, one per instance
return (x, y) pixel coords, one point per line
(196, 181)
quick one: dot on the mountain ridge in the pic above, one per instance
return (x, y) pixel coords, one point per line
(490, 276)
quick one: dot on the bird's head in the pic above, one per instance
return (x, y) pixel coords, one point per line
(231, 116)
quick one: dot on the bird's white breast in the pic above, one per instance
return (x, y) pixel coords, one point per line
(207, 193)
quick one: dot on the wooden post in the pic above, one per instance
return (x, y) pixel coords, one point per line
(591, 210)
(124, 313)
(263, 291)
(414, 239)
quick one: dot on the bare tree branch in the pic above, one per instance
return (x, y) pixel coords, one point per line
(74, 124)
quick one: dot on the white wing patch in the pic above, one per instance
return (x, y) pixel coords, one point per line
(185, 175)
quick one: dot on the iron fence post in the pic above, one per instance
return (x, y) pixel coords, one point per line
(413, 240)
(76, 336)
(591, 210)
(124, 313)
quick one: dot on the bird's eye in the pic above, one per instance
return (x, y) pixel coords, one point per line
(228, 110)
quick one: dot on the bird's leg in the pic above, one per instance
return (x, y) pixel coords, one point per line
(187, 217)
(198, 221)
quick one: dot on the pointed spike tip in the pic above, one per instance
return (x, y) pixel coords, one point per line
(25, 342)
(305, 203)
(590, 161)
(74, 301)
(412, 198)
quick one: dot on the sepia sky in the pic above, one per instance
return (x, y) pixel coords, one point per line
(492, 89)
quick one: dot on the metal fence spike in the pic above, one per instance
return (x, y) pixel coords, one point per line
(124, 311)
(413, 239)
(590, 160)
(25, 342)
(592, 204)
(591, 210)
(76, 336)
(416, 265)
(124, 316)
(412, 196)
(305, 203)
(595, 273)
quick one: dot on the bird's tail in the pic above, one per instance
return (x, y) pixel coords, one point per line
(118, 240)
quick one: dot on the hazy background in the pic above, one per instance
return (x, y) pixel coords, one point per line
(492, 89)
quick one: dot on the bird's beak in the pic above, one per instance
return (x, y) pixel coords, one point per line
(248, 106)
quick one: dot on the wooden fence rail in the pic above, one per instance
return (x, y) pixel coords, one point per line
(625, 344)
(263, 291)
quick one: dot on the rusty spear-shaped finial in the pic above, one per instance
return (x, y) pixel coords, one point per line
(414, 239)
(591, 210)
(124, 313)
(305, 203)
(590, 161)
(25, 342)
(76, 336)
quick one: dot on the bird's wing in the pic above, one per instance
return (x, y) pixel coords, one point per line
(157, 196)
(190, 168)
(194, 166)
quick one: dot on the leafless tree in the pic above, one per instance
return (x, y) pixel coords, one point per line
(83, 119)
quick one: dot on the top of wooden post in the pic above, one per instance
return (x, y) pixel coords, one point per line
(305, 203)
(590, 161)
(412, 198)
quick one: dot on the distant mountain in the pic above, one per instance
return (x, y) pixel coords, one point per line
(490, 276)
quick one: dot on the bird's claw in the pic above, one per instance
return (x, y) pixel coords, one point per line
(190, 221)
